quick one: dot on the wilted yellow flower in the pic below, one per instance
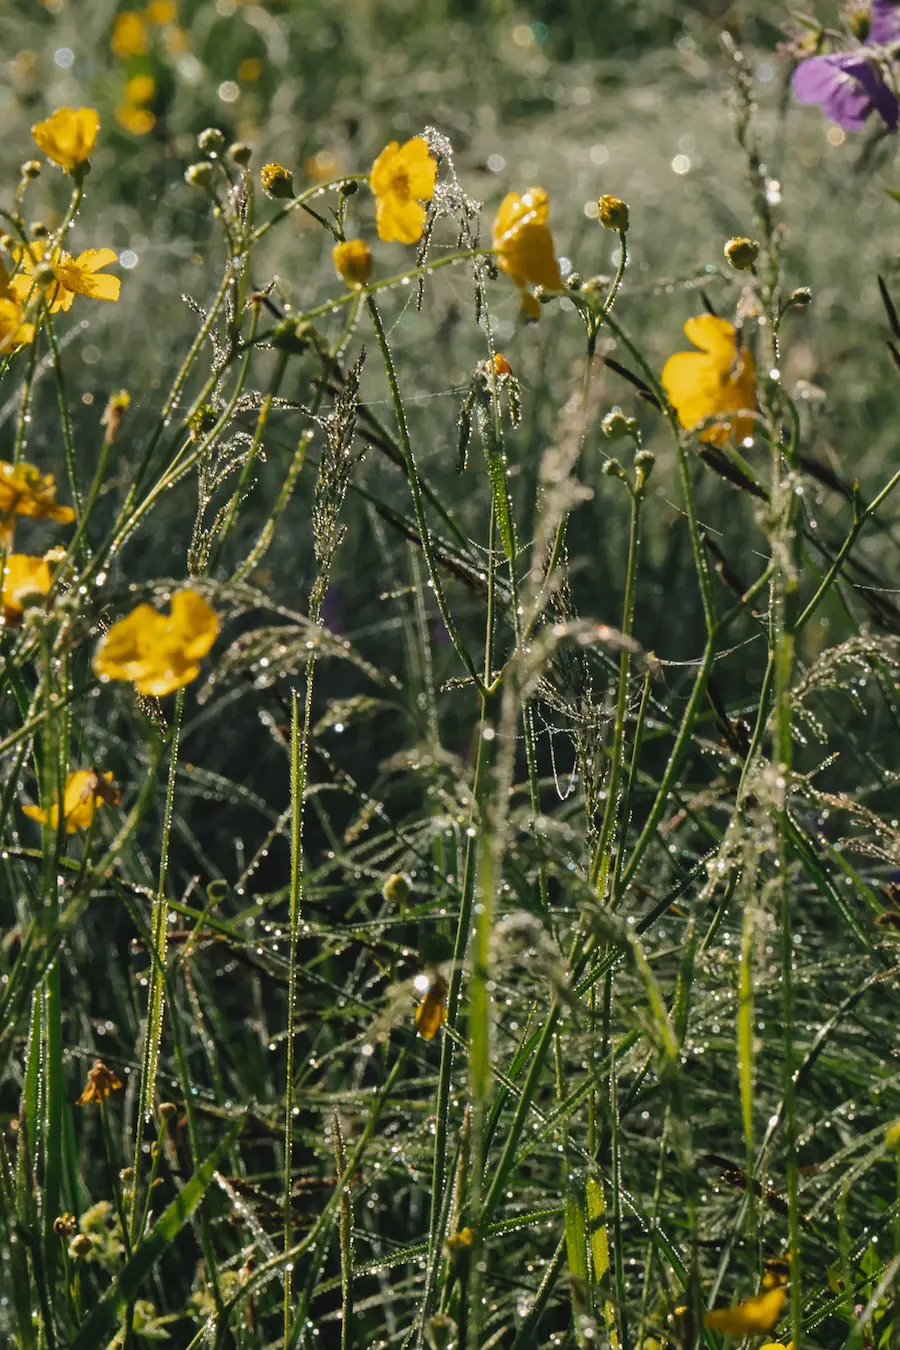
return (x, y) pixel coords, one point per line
(159, 653)
(68, 136)
(524, 245)
(719, 378)
(25, 491)
(129, 35)
(353, 262)
(14, 332)
(101, 1082)
(23, 576)
(402, 177)
(161, 11)
(431, 1013)
(84, 789)
(73, 276)
(751, 1317)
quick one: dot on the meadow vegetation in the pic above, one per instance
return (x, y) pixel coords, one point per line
(449, 841)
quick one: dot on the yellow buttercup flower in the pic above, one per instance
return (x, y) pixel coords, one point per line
(524, 246)
(402, 177)
(353, 262)
(156, 652)
(14, 331)
(777, 1345)
(25, 491)
(68, 136)
(719, 378)
(751, 1317)
(161, 12)
(23, 576)
(129, 35)
(73, 276)
(84, 789)
(134, 119)
(431, 1013)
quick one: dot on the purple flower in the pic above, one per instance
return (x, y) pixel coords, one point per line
(850, 85)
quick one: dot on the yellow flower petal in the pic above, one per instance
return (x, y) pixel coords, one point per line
(401, 178)
(25, 491)
(129, 35)
(352, 261)
(751, 1317)
(23, 576)
(523, 242)
(718, 379)
(14, 332)
(159, 654)
(431, 1013)
(85, 788)
(68, 136)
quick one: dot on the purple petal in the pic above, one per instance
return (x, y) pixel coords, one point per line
(847, 87)
(885, 25)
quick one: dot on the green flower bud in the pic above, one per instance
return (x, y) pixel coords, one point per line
(742, 253)
(612, 213)
(615, 425)
(211, 141)
(396, 889)
(199, 175)
(240, 153)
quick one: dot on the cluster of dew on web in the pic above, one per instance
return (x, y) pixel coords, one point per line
(451, 202)
(846, 669)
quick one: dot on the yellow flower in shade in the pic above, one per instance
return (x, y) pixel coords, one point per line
(156, 652)
(101, 1081)
(161, 12)
(402, 177)
(23, 576)
(719, 378)
(73, 276)
(14, 332)
(84, 789)
(25, 491)
(353, 262)
(129, 35)
(524, 246)
(753, 1316)
(431, 1013)
(68, 136)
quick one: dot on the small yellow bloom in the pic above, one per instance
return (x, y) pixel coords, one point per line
(524, 245)
(68, 136)
(353, 262)
(140, 89)
(84, 789)
(23, 576)
(751, 1317)
(431, 1013)
(612, 213)
(776, 1345)
(501, 365)
(161, 12)
(402, 177)
(74, 276)
(101, 1082)
(277, 181)
(159, 654)
(129, 35)
(249, 69)
(719, 378)
(25, 491)
(135, 119)
(14, 332)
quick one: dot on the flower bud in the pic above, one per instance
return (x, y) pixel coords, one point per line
(292, 335)
(801, 297)
(211, 141)
(353, 262)
(574, 281)
(644, 461)
(277, 181)
(612, 213)
(501, 365)
(742, 253)
(240, 153)
(615, 425)
(44, 275)
(396, 889)
(31, 169)
(80, 1246)
(348, 188)
(199, 175)
(167, 1109)
(66, 1225)
(613, 469)
(38, 230)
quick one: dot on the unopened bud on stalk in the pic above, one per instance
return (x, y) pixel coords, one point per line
(44, 276)
(31, 169)
(801, 297)
(38, 230)
(615, 425)
(501, 365)
(613, 469)
(396, 889)
(644, 461)
(240, 153)
(114, 412)
(199, 175)
(211, 141)
(276, 180)
(348, 188)
(742, 253)
(612, 213)
(80, 1246)
(574, 281)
